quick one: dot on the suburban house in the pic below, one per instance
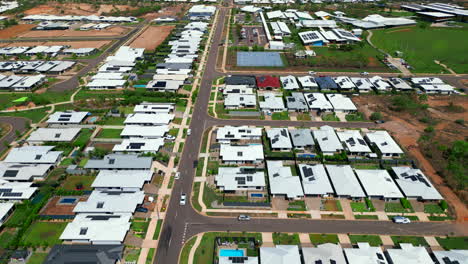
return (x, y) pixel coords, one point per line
(240, 179)
(384, 143)
(103, 254)
(41, 135)
(296, 103)
(364, 253)
(399, 84)
(315, 181)
(378, 184)
(341, 103)
(289, 82)
(16, 191)
(344, 82)
(432, 85)
(228, 134)
(324, 253)
(328, 140)
(164, 85)
(415, 185)
(122, 180)
(244, 154)
(318, 102)
(451, 256)
(326, 83)
(284, 254)
(308, 83)
(120, 162)
(237, 89)
(364, 85)
(302, 138)
(250, 81)
(5, 211)
(282, 182)
(154, 108)
(110, 202)
(101, 84)
(238, 101)
(279, 139)
(148, 119)
(65, 118)
(345, 182)
(15, 172)
(409, 254)
(139, 145)
(34, 155)
(354, 143)
(380, 84)
(134, 131)
(101, 229)
(268, 82)
(272, 103)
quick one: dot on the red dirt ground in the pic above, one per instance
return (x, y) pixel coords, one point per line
(111, 31)
(14, 31)
(152, 37)
(73, 44)
(173, 11)
(82, 9)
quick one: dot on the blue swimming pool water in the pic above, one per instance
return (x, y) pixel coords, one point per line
(93, 119)
(231, 253)
(68, 200)
(139, 85)
(256, 195)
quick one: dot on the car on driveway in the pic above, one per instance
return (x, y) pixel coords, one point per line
(401, 220)
(243, 218)
(141, 209)
(183, 199)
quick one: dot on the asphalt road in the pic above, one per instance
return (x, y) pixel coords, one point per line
(17, 124)
(182, 222)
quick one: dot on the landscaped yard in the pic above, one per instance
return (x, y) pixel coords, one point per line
(448, 47)
(297, 206)
(112, 121)
(132, 255)
(73, 181)
(373, 240)
(280, 116)
(286, 239)
(368, 217)
(37, 258)
(303, 117)
(109, 133)
(416, 241)
(433, 209)
(396, 207)
(356, 117)
(331, 205)
(317, 239)
(83, 137)
(330, 117)
(453, 242)
(360, 207)
(140, 227)
(41, 233)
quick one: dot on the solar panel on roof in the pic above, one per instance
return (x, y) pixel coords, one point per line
(6, 190)
(10, 173)
(12, 194)
(249, 178)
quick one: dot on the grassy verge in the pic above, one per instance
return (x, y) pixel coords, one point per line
(109, 133)
(158, 229)
(453, 242)
(317, 239)
(415, 240)
(286, 239)
(373, 240)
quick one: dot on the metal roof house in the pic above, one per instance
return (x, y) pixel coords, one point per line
(5, 210)
(233, 179)
(97, 229)
(318, 102)
(14, 172)
(308, 82)
(296, 103)
(65, 118)
(272, 103)
(139, 145)
(451, 256)
(353, 142)
(302, 138)
(365, 254)
(99, 254)
(328, 140)
(16, 191)
(315, 181)
(244, 154)
(135, 131)
(268, 82)
(282, 182)
(399, 84)
(34, 155)
(384, 143)
(279, 139)
(280, 254)
(378, 184)
(238, 101)
(121, 180)
(341, 103)
(42, 135)
(364, 85)
(289, 82)
(148, 119)
(409, 254)
(344, 181)
(110, 202)
(415, 185)
(250, 81)
(324, 253)
(120, 162)
(228, 134)
(344, 82)
(153, 108)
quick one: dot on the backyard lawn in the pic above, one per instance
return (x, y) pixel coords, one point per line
(72, 181)
(37, 258)
(373, 240)
(446, 45)
(112, 121)
(40, 233)
(453, 242)
(317, 239)
(280, 116)
(109, 133)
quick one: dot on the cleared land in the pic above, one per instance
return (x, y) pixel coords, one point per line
(73, 44)
(81, 9)
(421, 46)
(152, 37)
(173, 11)
(108, 32)
(14, 31)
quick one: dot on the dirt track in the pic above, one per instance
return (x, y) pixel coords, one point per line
(152, 37)
(73, 44)
(14, 31)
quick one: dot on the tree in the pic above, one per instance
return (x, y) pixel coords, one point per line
(443, 204)
(376, 116)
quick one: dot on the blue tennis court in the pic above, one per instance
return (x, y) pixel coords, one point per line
(259, 59)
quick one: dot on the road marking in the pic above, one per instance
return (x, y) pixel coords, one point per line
(185, 233)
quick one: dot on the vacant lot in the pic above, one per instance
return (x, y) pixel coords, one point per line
(172, 11)
(108, 32)
(421, 46)
(14, 31)
(40, 233)
(73, 44)
(152, 37)
(82, 9)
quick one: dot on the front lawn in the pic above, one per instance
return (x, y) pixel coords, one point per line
(297, 206)
(303, 117)
(361, 207)
(355, 117)
(373, 240)
(396, 207)
(331, 205)
(280, 116)
(37, 258)
(415, 240)
(286, 239)
(453, 242)
(35, 115)
(366, 217)
(140, 228)
(317, 239)
(330, 117)
(433, 209)
(41, 233)
(109, 133)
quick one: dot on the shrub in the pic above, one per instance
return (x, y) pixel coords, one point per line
(405, 203)
(376, 116)
(443, 204)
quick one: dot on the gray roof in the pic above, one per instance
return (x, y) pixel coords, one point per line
(279, 138)
(315, 179)
(241, 80)
(120, 161)
(414, 183)
(53, 134)
(111, 202)
(453, 255)
(296, 102)
(301, 137)
(67, 117)
(324, 253)
(23, 172)
(99, 254)
(33, 155)
(122, 179)
(244, 178)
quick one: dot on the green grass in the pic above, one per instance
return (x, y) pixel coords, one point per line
(371, 217)
(286, 239)
(132, 255)
(173, 132)
(112, 121)
(37, 258)
(181, 147)
(448, 47)
(395, 207)
(184, 255)
(196, 191)
(200, 164)
(453, 242)
(140, 226)
(109, 133)
(373, 240)
(210, 196)
(297, 206)
(149, 257)
(126, 109)
(35, 115)
(360, 207)
(158, 229)
(280, 116)
(439, 218)
(83, 162)
(303, 117)
(83, 137)
(433, 209)
(356, 117)
(66, 162)
(317, 239)
(44, 232)
(5, 239)
(416, 241)
(330, 117)
(19, 214)
(72, 180)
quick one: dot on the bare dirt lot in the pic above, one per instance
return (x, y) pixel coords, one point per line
(427, 133)
(172, 11)
(108, 32)
(152, 37)
(73, 44)
(82, 9)
(14, 31)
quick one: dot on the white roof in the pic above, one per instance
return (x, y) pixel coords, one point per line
(362, 83)
(239, 178)
(280, 28)
(435, 88)
(272, 102)
(4, 210)
(289, 82)
(344, 82)
(153, 108)
(319, 23)
(345, 35)
(379, 83)
(303, 15)
(314, 179)
(322, 14)
(353, 141)
(67, 117)
(122, 179)
(202, 9)
(53, 134)
(10, 80)
(110, 202)
(238, 133)
(414, 183)
(172, 77)
(155, 119)
(275, 14)
(108, 76)
(144, 131)
(16, 190)
(388, 21)
(427, 80)
(79, 50)
(309, 37)
(139, 145)
(281, 180)
(453, 255)
(241, 153)
(98, 228)
(384, 142)
(37, 49)
(327, 139)
(281, 254)
(126, 53)
(23, 172)
(317, 101)
(238, 100)
(344, 181)
(409, 254)
(231, 260)
(365, 254)
(279, 138)
(29, 81)
(341, 102)
(168, 85)
(399, 84)
(307, 82)
(251, 9)
(33, 154)
(324, 253)
(378, 183)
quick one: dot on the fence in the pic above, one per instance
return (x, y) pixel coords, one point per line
(246, 204)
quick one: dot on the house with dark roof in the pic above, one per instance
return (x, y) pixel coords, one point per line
(250, 81)
(296, 103)
(326, 83)
(99, 254)
(268, 82)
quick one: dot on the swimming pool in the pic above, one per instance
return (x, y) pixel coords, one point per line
(256, 195)
(231, 253)
(68, 200)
